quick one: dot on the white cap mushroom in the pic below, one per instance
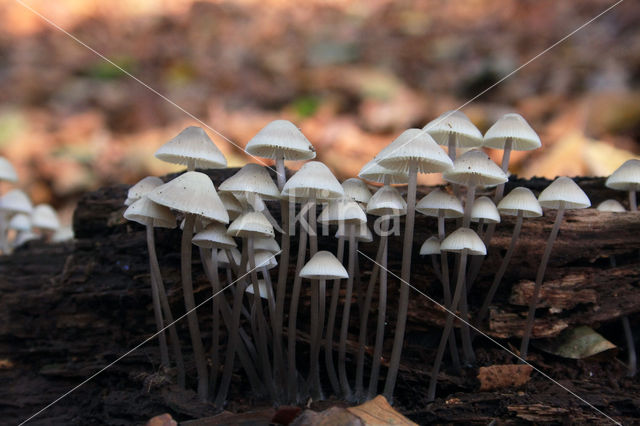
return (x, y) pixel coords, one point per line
(357, 190)
(7, 172)
(281, 138)
(374, 172)
(142, 188)
(430, 246)
(626, 178)
(455, 130)
(314, 180)
(342, 211)
(193, 148)
(563, 193)
(515, 128)
(387, 201)
(464, 239)
(146, 212)
(611, 206)
(520, 199)
(250, 224)
(484, 209)
(45, 217)
(20, 222)
(15, 201)
(251, 178)
(440, 201)
(214, 236)
(323, 266)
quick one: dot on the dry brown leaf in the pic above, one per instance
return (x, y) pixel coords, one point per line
(503, 376)
(378, 412)
(162, 420)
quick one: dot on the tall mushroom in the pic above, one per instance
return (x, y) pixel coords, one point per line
(414, 151)
(13, 202)
(454, 130)
(45, 219)
(626, 178)
(465, 242)
(7, 174)
(321, 267)
(562, 194)
(193, 194)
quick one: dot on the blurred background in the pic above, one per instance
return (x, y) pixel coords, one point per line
(352, 74)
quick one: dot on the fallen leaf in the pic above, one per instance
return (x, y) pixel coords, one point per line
(578, 343)
(162, 420)
(378, 411)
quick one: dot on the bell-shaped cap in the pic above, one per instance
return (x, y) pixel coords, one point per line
(251, 178)
(65, 233)
(192, 146)
(214, 236)
(430, 246)
(146, 212)
(563, 190)
(626, 177)
(520, 199)
(20, 222)
(142, 188)
(374, 172)
(231, 204)
(266, 243)
(454, 123)
(281, 139)
(7, 172)
(313, 180)
(613, 206)
(475, 167)
(191, 192)
(438, 200)
(262, 288)
(250, 224)
(387, 201)
(223, 260)
(362, 232)
(515, 127)
(344, 210)
(414, 146)
(264, 259)
(483, 208)
(45, 217)
(323, 266)
(15, 201)
(24, 237)
(464, 239)
(357, 190)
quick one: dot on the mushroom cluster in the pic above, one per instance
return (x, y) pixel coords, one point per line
(245, 246)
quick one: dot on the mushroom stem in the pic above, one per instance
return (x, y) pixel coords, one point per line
(435, 265)
(364, 319)
(524, 346)
(263, 350)
(501, 270)
(313, 229)
(166, 308)
(157, 310)
(382, 311)
(314, 370)
(446, 290)
(344, 329)
(403, 303)
(283, 271)
(631, 347)
(331, 320)
(467, 349)
(293, 312)
(190, 306)
(448, 326)
(506, 153)
(471, 193)
(451, 149)
(633, 205)
(212, 256)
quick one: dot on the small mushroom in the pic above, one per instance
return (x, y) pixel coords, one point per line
(626, 178)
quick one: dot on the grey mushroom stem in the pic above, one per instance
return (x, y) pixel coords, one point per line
(344, 329)
(506, 154)
(524, 346)
(403, 303)
(446, 290)
(283, 271)
(632, 364)
(431, 394)
(633, 205)
(212, 256)
(314, 368)
(157, 313)
(382, 311)
(452, 144)
(331, 320)
(156, 276)
(501, 270)
(190, 305)
(465, 333)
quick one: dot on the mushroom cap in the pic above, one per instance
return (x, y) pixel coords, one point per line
(281, 138)
(313, 180)
(430, 246)
(264, 259)
(374, 172)
(563, 190)
(437, 200)
(250, 224)
(146, 212)
(454, 123)
(387, 201)
(24, 237)
(626, 177)
(192, 145)
(514, 126)
(65, 233)
(15, 201)
(20, 222)
(475, 166)
(611, 206)
(461, 239)
(357, 190)
(231, 204)
(214, 236)
(262, 289)
(7, 172)
(344, 210)
(191, 192)
(520, 199)
(45, 217)
(323, 266)
(266, 243)
(414, 146)
(484, 208)
(223, 260)
(252, 178)
(142, 188)
(363, 234)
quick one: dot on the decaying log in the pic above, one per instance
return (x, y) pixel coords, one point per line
(69, 309)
